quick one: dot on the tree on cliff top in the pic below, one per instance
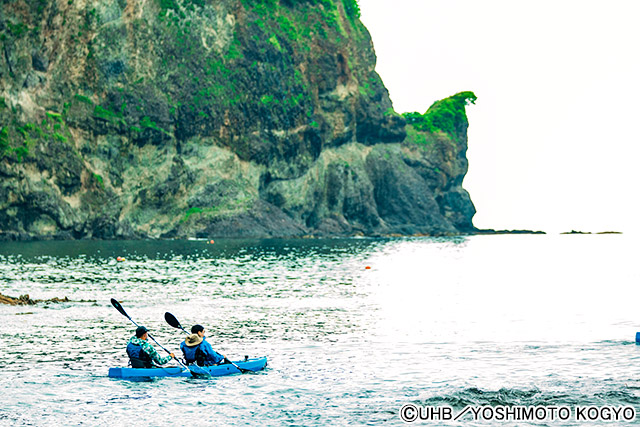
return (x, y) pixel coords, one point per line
(444, 115)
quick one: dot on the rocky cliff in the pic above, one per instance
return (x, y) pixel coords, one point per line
(198, 118)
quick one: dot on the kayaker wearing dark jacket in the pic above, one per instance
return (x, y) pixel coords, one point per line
(197, 350)
(141, 352)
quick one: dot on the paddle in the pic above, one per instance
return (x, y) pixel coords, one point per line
(171, 320)
(118, 307)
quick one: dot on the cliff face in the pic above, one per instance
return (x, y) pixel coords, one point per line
(193, 118)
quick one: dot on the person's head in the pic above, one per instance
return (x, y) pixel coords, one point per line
(198, 329)
(141, 332)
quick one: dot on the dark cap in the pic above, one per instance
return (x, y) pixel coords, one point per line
(196, 328)
(141, 331)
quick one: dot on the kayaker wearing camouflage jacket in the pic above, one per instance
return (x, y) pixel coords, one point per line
(141, 352)
(196, 349)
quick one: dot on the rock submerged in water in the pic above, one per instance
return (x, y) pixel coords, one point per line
(26, 300)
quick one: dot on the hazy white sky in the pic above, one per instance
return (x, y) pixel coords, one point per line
(553, 137)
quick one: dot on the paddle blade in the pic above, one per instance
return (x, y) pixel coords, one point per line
(171, 320)
(118, 307)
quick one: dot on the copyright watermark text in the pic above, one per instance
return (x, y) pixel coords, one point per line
(411, 413)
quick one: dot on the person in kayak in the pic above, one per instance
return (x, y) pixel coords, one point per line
(141, 352)
(196, 349)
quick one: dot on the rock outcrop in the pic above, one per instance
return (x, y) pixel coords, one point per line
(26, 300)
(194, 118)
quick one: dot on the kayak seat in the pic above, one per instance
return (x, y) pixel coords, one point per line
(139, 363)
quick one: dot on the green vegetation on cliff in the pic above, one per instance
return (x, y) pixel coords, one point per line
(446, 115)
(17, 139)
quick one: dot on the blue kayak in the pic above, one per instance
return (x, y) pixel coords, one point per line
(257, 364)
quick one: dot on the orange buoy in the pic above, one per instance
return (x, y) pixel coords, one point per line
(367, 268)
(120, 259)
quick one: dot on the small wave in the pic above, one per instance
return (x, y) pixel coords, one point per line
(512, 397)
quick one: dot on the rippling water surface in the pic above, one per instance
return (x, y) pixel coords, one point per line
(486, 320)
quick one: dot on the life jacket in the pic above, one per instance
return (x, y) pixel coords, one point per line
(193, 354)
(138, 358)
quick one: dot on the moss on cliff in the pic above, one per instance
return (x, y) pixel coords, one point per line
(447, 115)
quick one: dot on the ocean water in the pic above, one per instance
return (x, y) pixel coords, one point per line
(482, 322)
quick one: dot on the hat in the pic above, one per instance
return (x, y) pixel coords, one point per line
(141, 331)
(193, 340)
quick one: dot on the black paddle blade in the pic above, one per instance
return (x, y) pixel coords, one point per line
(171, 320)
(118, 307)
